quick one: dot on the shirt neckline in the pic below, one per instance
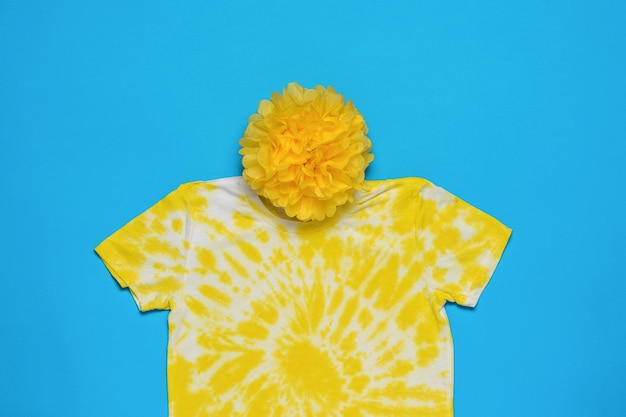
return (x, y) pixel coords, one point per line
(270, 215)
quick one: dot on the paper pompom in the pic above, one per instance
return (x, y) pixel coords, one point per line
(306, 151)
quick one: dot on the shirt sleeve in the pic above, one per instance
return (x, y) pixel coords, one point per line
(461, 245)
(148, 255)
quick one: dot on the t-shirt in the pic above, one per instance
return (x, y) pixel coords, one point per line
(273, 317)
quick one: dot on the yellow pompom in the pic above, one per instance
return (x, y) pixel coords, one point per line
(306, 151)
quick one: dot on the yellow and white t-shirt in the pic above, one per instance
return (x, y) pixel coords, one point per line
(272, 317)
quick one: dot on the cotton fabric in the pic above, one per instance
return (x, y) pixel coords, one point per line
(275, 317)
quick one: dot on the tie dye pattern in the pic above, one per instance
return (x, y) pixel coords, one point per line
(272, 317)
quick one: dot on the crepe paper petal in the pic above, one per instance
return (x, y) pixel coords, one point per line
(306, 151)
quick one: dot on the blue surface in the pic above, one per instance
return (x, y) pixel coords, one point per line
(518, 107)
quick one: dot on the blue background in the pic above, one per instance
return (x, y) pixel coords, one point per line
(518, 107)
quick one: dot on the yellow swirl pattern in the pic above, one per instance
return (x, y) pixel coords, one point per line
(272, 317)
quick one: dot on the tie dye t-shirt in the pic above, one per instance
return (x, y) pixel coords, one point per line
(272, 317)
